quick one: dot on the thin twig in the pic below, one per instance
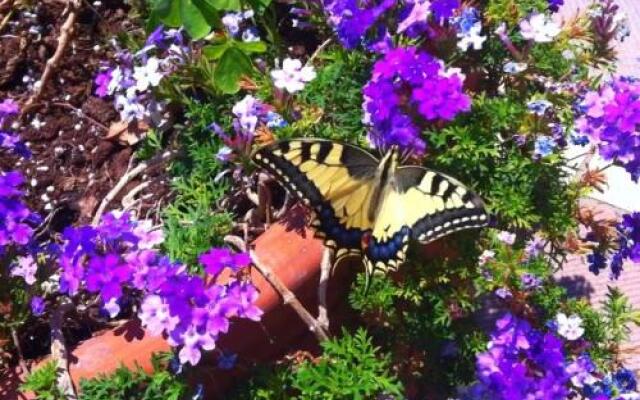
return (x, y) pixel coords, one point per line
(59, 351)
(325, 272)
(16, 344)
(126, 178)
(65, 35)
(81, 114)
(5, 20)
(289, 298)
(319, 50)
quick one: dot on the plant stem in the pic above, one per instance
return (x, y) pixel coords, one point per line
(325, 272)
(16, 344)
(289, 298)
(59, 351)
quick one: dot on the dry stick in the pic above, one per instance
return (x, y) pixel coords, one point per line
(319, 50)
(59, 351)
(81, 114)
(289, 298)
(16, 343)
(126, 178)
(325, 272)
(52, 63)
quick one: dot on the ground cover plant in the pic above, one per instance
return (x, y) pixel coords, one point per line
(129, 199)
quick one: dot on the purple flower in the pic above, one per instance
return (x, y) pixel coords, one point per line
(534, 247)
(443, 9)
(554, 5)
(503, 293)
(106, 276)
(610, 118)
(522, 362)
(156, 38)
(407, 89)
(227, 361)
(217, 259)
(102, 81)
(37, 306)
(156, 316)
(530, 281)
(353, 20)
(26, 268)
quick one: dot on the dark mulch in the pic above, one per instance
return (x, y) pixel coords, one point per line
(73, 166)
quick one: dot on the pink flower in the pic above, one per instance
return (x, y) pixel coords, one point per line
(507, 237)
(26, 268)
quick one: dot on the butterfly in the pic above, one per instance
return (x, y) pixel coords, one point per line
(367, 206)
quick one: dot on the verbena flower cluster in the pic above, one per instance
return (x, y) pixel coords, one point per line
(626, 248)
(610, 117)
(16, 219)
(371, 23)
(132, 80)
(524, 363)
(408, 89)
(117, 257)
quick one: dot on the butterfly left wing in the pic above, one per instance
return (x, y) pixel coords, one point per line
(335, 180)
(423, 205)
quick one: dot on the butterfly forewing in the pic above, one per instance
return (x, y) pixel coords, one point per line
(336, 180)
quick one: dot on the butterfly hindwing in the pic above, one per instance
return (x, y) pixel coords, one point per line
(422, 205)
(336, 180)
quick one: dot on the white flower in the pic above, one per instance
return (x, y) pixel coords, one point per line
(129, 107)
(472, 38)
(507, 237)
(512, 67)
(250, 35)
(232, 21)
(26, 268)
(292, 76)
(486, 256)
(36, 123)
(539, 28)
(116, 79)
(569, 327)
(247, 112)
(148, 75)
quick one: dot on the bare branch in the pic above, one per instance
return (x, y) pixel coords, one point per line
(65, 35)
(126, 178)
(325, 272)
(59, 352)
(289, 298)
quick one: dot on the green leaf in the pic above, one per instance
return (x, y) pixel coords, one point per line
(225, 4)
(193, 19)
(167, 11)
(232, 66)
(251, 47)
(215, 51)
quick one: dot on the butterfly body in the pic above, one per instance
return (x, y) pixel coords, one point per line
(369, 206)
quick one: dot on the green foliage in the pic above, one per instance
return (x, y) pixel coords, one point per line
(332, 102)
(524, 193)
(43, 382)
(192, 222)
(549, 60)
(196, 16)
(512, 11)
(266, 383)
(351, 367)
(125, 384)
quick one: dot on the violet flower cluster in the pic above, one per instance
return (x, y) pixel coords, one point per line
(522, 362)
(408, 89)
(610, 117)
(116, 258)
(132, 80)
(627, 249)
(368, 22)
(10, 141)
(16, 219)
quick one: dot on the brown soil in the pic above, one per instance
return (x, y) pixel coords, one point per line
(73, 166)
